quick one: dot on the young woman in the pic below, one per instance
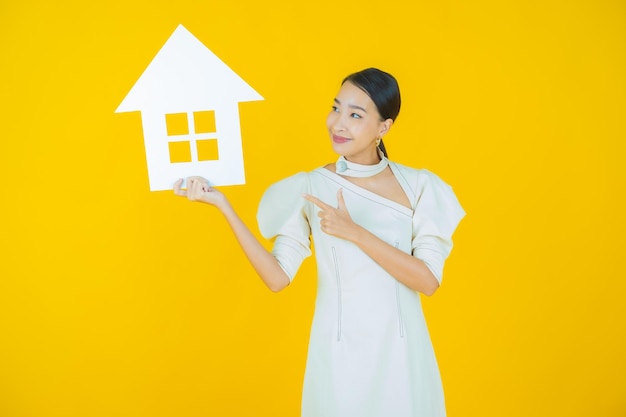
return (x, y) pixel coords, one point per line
(382, 232)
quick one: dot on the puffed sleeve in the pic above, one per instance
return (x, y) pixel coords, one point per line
(282, 214)
(436, 216)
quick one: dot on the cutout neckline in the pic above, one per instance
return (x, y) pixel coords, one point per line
(371, 194)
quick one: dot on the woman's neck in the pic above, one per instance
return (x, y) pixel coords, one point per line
(349, 168)
(369, 159)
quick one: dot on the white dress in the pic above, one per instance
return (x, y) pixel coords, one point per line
(370, 353)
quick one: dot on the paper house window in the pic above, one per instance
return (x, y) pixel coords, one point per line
(192, 136)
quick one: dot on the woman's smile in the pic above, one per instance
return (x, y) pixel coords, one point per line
(340, 139)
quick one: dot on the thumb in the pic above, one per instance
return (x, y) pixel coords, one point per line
(341, 204)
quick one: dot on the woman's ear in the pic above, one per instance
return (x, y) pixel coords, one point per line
(385, 126)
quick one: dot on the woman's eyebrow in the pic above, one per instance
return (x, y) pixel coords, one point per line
(352, 106)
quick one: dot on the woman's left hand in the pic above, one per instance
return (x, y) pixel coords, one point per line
(335, 221)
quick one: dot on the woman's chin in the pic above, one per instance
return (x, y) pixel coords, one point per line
(339, 148)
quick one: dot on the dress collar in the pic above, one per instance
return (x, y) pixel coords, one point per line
(351, 169)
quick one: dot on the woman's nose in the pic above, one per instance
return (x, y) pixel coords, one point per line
(338, 124)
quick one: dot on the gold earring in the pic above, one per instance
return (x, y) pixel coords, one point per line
(378, 141)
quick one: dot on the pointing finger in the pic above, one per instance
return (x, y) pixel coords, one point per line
(317, 202)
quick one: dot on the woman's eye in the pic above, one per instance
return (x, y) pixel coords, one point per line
(355, 116)
(335, 109)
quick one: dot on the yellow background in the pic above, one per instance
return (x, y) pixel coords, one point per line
(115, 301)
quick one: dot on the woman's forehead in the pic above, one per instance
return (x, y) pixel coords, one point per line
(351, 94)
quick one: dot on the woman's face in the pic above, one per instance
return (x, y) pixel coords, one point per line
(354, 125)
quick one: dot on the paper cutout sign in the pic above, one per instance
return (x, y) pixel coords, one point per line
(188, 99)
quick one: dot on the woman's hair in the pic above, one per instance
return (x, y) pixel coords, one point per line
(384, 91)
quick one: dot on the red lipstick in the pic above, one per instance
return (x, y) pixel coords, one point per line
(340, 139)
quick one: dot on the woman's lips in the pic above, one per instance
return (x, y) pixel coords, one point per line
(340, 139)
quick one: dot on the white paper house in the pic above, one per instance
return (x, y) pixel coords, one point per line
(188, 99)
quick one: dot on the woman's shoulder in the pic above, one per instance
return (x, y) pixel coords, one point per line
(295, 184)
(434, 197)
(417, 177)
(282, 201)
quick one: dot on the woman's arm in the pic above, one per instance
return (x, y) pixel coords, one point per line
(263, 262)
(404, 267)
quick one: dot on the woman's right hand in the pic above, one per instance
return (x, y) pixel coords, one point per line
(198, 189)
(263, 262)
